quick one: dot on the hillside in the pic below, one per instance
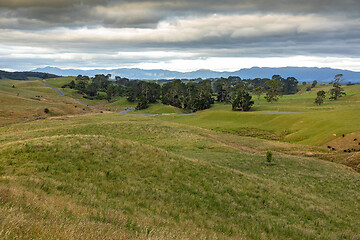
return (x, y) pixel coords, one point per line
(129, 176)
(25, 75)
(300, 73)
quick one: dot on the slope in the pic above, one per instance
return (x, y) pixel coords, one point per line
(115, 176)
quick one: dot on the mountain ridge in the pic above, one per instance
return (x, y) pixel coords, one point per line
(301, 73)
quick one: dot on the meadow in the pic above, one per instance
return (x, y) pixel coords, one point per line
(205, 176)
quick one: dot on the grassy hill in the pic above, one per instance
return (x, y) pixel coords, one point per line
(25, 75)
(26, 100)
(117, 176)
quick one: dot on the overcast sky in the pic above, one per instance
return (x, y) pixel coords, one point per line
(179, 35)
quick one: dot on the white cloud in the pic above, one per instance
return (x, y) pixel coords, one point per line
(233, 64)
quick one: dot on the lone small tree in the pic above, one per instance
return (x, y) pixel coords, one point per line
(314, 83)
(259, 91)
(337, 91)
(320, 97)
(274, 90)
(269, 156)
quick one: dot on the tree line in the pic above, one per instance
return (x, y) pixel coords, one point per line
(190, 95)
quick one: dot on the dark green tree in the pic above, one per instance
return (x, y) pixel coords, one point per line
(91, 89)
(223, 89)
(173, 93)
(241, 100)
(289, 85)
(314, 83)
(72, 84)
(80, 86)
(111, 92)
(337, 91)
(142, 104)
(320, 97)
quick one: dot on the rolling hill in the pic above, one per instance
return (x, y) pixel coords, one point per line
(81, 174)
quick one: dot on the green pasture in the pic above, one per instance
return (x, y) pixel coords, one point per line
(294, 118)
(28, 99)
(117, 176)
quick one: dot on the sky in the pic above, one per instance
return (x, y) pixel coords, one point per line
(181, 35)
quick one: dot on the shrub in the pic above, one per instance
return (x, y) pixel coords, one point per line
(269, 156)
(46, 110)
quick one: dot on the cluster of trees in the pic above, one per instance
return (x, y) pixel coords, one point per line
(274, 87)
(99, 87)
(335, 93)
(191, 95)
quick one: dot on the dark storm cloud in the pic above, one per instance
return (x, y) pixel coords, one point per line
(144, 13)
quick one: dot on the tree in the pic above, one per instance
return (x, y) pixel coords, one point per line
(223, 87)
(80, 86)
(91, 89)
(198, 95)
(111, 92)
(337, 91)
(269, 156)
(241, 99)
(173, 93)
(314, 83)
(72, 84)
(320, 97)
(45, 76)
(79, 77)
(142, 104)
(289, 85)
(259, 91)
(273, 91)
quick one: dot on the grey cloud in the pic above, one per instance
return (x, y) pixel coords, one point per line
(147, 13)
(229, 28)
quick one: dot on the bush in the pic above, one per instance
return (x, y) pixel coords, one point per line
(142, 104)
(46, 110)
(269, 156)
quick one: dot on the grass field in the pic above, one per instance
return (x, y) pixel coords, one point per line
(118, 176)
(28, 99)
(294, 118)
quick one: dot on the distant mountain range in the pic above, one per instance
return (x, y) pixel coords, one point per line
(300, 73)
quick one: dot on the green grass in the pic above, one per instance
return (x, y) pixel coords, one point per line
(59, 82)
(127, 176)
(28, 100)
(159, 108)
(311, 124)
(117, 176)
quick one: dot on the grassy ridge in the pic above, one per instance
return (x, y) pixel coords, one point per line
(28, 99)
(124, 176)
